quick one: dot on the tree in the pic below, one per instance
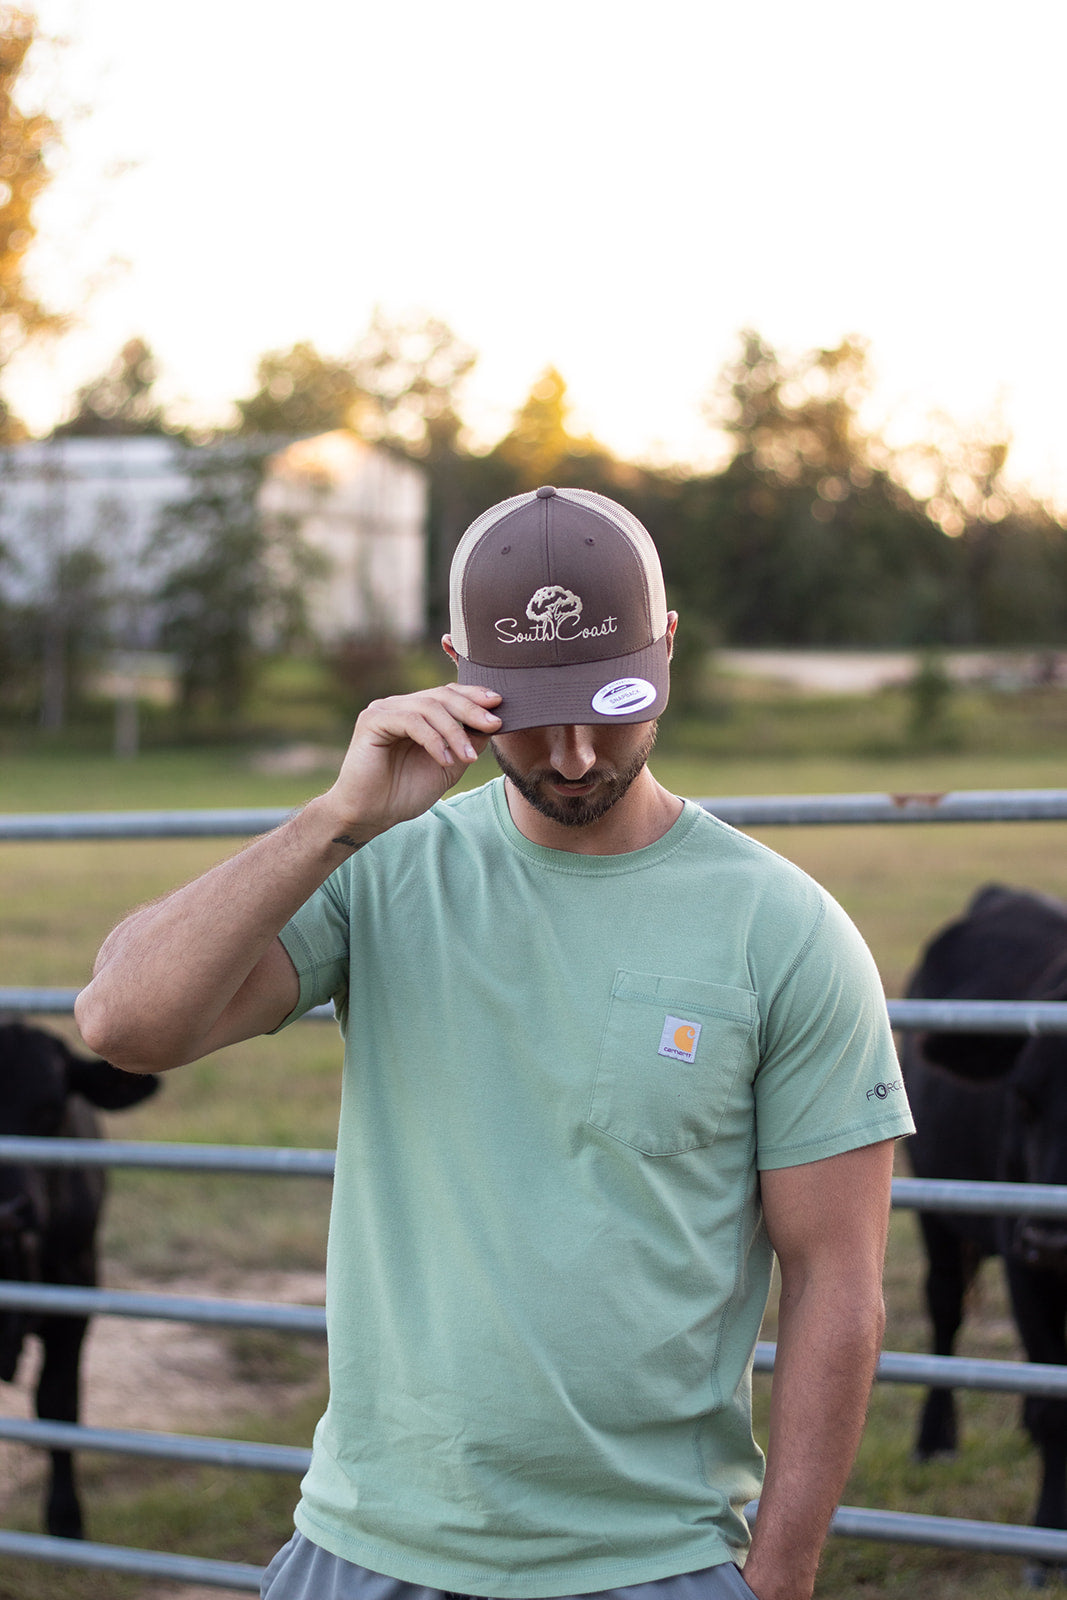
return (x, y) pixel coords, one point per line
(799, 424)
(24, 143)
(68, 625)
(300, 393)
(809, 536)
(120, 402)
(398, 388)
(539, 447)
(58, 608)
(408, 373)
(49, 642)
(230, 585)
(1011, 549)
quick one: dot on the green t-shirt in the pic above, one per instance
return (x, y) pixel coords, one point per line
(547, 1266)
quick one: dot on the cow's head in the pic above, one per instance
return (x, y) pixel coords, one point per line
(46, 1090)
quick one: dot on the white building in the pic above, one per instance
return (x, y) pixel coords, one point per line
(361, 508)
(364, 510)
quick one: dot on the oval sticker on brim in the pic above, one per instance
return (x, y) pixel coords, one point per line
(624, 696)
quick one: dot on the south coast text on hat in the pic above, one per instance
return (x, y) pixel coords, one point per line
(557, 603)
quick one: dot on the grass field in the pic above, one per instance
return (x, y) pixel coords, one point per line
(898, 882)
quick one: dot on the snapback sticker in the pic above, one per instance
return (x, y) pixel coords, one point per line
(623, 695)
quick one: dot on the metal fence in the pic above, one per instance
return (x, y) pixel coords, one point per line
(1037, 1544)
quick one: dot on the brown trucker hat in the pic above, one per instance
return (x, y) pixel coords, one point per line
(557, 603)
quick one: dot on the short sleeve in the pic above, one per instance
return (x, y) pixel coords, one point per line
(829, 1079)
(317, 939)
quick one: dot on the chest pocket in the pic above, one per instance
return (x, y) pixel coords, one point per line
(668, 1059)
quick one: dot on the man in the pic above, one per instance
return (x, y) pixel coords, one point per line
(603, 1054)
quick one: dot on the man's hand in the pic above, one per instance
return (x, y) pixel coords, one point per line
(406, 752)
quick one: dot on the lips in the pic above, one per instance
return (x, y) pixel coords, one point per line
(579, 789)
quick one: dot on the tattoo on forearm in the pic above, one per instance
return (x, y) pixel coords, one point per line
(352, 844)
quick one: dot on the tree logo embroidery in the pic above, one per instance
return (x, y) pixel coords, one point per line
(555, 613)
(679, 1039)
(552, 607)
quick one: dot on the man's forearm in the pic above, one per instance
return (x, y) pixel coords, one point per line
(828, 1344)
(201, 968)
(167, 974)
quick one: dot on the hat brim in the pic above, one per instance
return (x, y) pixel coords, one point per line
(625, 689)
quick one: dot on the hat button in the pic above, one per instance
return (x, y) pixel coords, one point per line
(545, 492)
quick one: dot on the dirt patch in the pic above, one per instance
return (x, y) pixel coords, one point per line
(167, 1377)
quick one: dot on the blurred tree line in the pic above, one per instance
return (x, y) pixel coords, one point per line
(815, 532)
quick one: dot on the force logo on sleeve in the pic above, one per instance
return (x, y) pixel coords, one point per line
(680, 1039)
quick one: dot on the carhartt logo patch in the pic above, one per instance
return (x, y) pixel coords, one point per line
(680, 1039)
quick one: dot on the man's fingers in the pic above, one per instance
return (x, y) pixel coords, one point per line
(408, 750)
(444, 722)
(463, 730)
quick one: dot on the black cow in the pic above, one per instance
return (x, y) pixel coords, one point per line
(48, 1220)
(994, 1107)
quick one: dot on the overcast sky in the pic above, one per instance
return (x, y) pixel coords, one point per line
(613, 188)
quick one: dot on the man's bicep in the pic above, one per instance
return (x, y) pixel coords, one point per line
(837, 1208)
(262, 1003)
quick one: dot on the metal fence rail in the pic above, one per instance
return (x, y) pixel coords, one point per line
(65, 1300)
(741, 811)
(897, 1527)
(60, 1003)
(909, 1194)
(235, 1159)
(950, 1533)
(69, 825)
(233, 1576)
(947, 1016)
(894, 1366)
(185, 1447)
(965, 805)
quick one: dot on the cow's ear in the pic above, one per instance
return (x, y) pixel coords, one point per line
(105, 1087)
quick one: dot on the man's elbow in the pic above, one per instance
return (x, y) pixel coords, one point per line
(854, 1308)
(867, 1324)
(118, 1039)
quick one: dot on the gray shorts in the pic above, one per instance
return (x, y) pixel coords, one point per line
(303, 1571)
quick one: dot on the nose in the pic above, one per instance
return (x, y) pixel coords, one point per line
(571, 750)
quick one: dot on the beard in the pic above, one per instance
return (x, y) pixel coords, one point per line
(579, 810)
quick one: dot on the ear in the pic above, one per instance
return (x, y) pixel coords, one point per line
(672, 623)
(449, 648)
(105, 1086)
